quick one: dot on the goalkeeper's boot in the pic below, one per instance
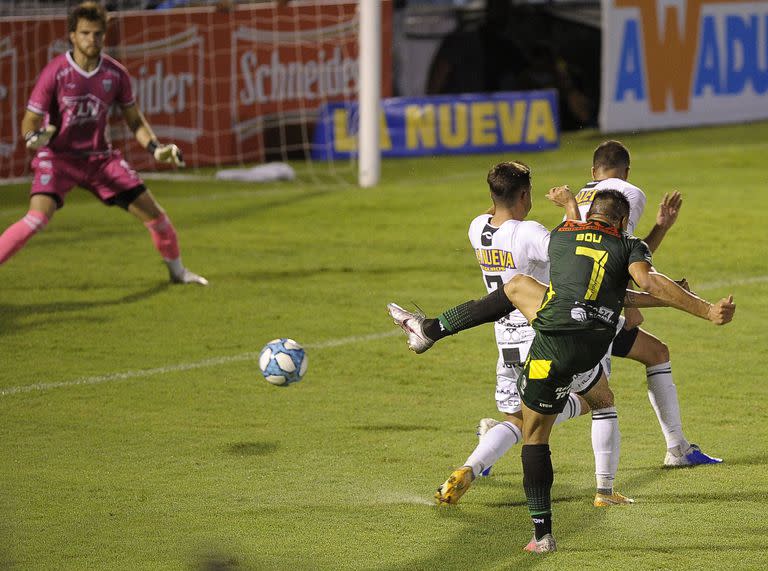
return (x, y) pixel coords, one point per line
(614, 499)
(455, 486)
(691, 457)
(413, 325)
(544, 545)
(187, 277)
(484, 426)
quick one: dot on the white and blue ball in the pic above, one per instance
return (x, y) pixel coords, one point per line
(283, 362)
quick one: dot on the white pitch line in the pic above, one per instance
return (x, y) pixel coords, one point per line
(112, 377)
(212, 362)
(733, 282)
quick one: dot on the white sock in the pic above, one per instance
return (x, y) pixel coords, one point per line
(572, 409)
(493, 445)
(175, 266)
(662, 393)
(606, 444)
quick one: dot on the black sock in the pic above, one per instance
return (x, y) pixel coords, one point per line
(433, 329)
(537, 482)
(470, 314)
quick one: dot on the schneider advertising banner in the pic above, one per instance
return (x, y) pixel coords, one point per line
(217, 82)
(446, 124)
(682, 63)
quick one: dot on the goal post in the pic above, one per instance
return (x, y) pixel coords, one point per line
(369, 93)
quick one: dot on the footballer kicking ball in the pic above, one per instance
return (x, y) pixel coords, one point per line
(283, 362)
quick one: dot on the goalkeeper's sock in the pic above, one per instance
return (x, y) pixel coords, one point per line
(469, 314)
(17, 234)
(164, 238)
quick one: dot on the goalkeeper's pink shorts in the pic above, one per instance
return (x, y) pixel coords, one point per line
(105, 176)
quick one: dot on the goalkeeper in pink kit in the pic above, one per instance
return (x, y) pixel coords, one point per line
(66, 123)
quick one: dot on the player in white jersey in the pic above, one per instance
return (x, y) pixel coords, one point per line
(610, 169)
(507, 245)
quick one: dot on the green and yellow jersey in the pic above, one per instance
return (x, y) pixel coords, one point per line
(589, 274)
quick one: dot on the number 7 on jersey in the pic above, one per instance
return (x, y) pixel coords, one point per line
(599, 257)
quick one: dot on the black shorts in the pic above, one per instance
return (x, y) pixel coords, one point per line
(623, 342)
(552, 362)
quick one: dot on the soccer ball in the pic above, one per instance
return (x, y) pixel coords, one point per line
(282, 362)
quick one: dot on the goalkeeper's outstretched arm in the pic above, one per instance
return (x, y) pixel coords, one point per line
(166, 153)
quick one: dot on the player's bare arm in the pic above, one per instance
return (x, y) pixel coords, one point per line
(138, 124)
(675, 296)
(526, 293)
(666, 217)
(635, 299)
(35, 135)
(563, 197)
(31, 122)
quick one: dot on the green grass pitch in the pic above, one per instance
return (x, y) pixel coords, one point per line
(137, 433)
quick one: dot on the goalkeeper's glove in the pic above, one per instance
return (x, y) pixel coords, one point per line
(166, 153)
(39, 138)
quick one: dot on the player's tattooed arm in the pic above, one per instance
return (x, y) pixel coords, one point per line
(660, 286)
(563, 197)
(665, 219)
(168, 153)
(634, 299)
(136, 122)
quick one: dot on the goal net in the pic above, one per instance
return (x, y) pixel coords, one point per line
(230, 83)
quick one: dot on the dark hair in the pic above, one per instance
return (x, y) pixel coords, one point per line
(91, 11)
(611, 155)
(508, 180)
(610, 203)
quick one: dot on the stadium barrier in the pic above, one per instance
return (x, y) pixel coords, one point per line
(684, 64)
(229, 87)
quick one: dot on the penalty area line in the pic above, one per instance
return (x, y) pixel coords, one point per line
(212, 362)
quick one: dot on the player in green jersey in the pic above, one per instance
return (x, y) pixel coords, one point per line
(575, 320)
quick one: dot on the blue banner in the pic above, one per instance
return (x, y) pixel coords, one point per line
(511, 121)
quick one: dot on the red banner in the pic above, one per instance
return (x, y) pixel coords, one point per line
(226, 86)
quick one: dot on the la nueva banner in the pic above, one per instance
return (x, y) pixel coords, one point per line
(512, 121)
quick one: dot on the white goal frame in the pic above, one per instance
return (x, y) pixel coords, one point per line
(369, 94)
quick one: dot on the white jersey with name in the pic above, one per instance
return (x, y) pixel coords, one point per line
(514, 247)
(635, 196)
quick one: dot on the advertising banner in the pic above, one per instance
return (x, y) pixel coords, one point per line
(673, 64)
(222, 84)
(447, 124)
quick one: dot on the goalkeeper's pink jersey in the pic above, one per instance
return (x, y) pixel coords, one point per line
(78, 102)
